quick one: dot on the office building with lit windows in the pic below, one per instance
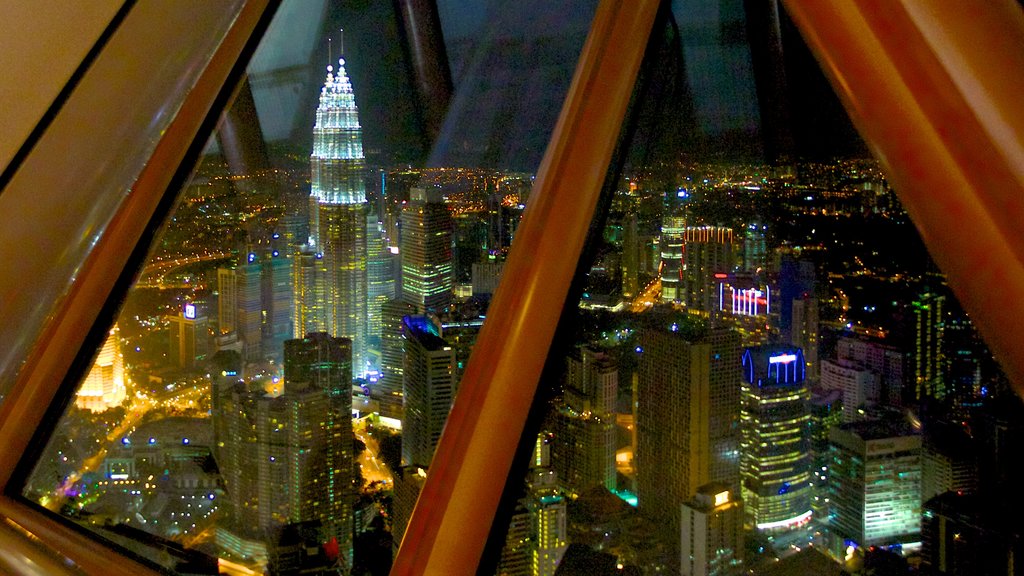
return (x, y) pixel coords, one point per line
(712, 533)
(706, 251)
(189, 338)
(671, 242)
(775, 453)
(310, 426)
(874, 485)
(584, 441)
(927, 352)
(687, 414)
(428, 388)
(426, 250)
(338, 212)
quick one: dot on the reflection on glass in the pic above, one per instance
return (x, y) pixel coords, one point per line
(766, 366)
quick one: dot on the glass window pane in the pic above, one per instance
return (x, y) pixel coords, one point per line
(277, 379)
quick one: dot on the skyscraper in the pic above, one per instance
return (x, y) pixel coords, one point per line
(875, 484)
(189, 339)
(426, 250)
(392, 357)
(688, 409)
(338, 212)
(927, 347)
(316, 417)
(707, 251)
(775, 455)
(672, 230)
(380, 273)
(428, 389)
(583, 447)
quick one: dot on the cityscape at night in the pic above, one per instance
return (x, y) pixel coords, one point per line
(767, 375)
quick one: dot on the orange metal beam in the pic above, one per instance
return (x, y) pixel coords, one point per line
(453, 515)
(934, 88)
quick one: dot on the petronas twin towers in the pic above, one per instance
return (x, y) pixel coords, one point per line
(338, 214)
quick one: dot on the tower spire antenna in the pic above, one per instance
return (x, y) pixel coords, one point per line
(341, 41)
(330, 52)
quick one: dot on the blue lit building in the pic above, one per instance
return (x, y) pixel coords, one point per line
(775, 447)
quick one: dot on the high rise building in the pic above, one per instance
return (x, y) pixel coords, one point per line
(538, 533)
(249, 302)
(426, 250)
(189, 339)
(313, 421)
(712, 533)
(775, 454)
(826, 413)
(428, 389)
(874, 485)
(104, 386)
(380, 275)
(927, 347)
(584, 440)
(392, 357)
(859, 386)
(796, 278)
(804, 331)
(888, 362)
(949, 460)
(707, 251)
(227, 303)
(630, 257)
(277, 301)
(338, 212)
(687, 413)
(309, 310)
(672, 231)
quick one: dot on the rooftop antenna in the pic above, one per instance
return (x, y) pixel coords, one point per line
(341, 40)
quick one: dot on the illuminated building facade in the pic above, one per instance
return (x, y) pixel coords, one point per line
(928, 353)
(380, 276)
(672, 231)
(687, 413)
(189, 339)
(875, 484)
(712, 533)
(707, 251)
(775, 454)
(249, 306)
(538, 533)
(428, 388)
(392, 357)
(583, 447)
(426, 250)
(339, 211)
(312, 419)
(104, 387)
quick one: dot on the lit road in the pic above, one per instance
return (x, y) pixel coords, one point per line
(153, 274)
(373, 469)
(648, 296)
(138, 407)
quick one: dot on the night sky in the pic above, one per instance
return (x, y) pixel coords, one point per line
(511, 65)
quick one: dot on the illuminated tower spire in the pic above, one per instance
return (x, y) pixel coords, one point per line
(337, 160)
(338, 213)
